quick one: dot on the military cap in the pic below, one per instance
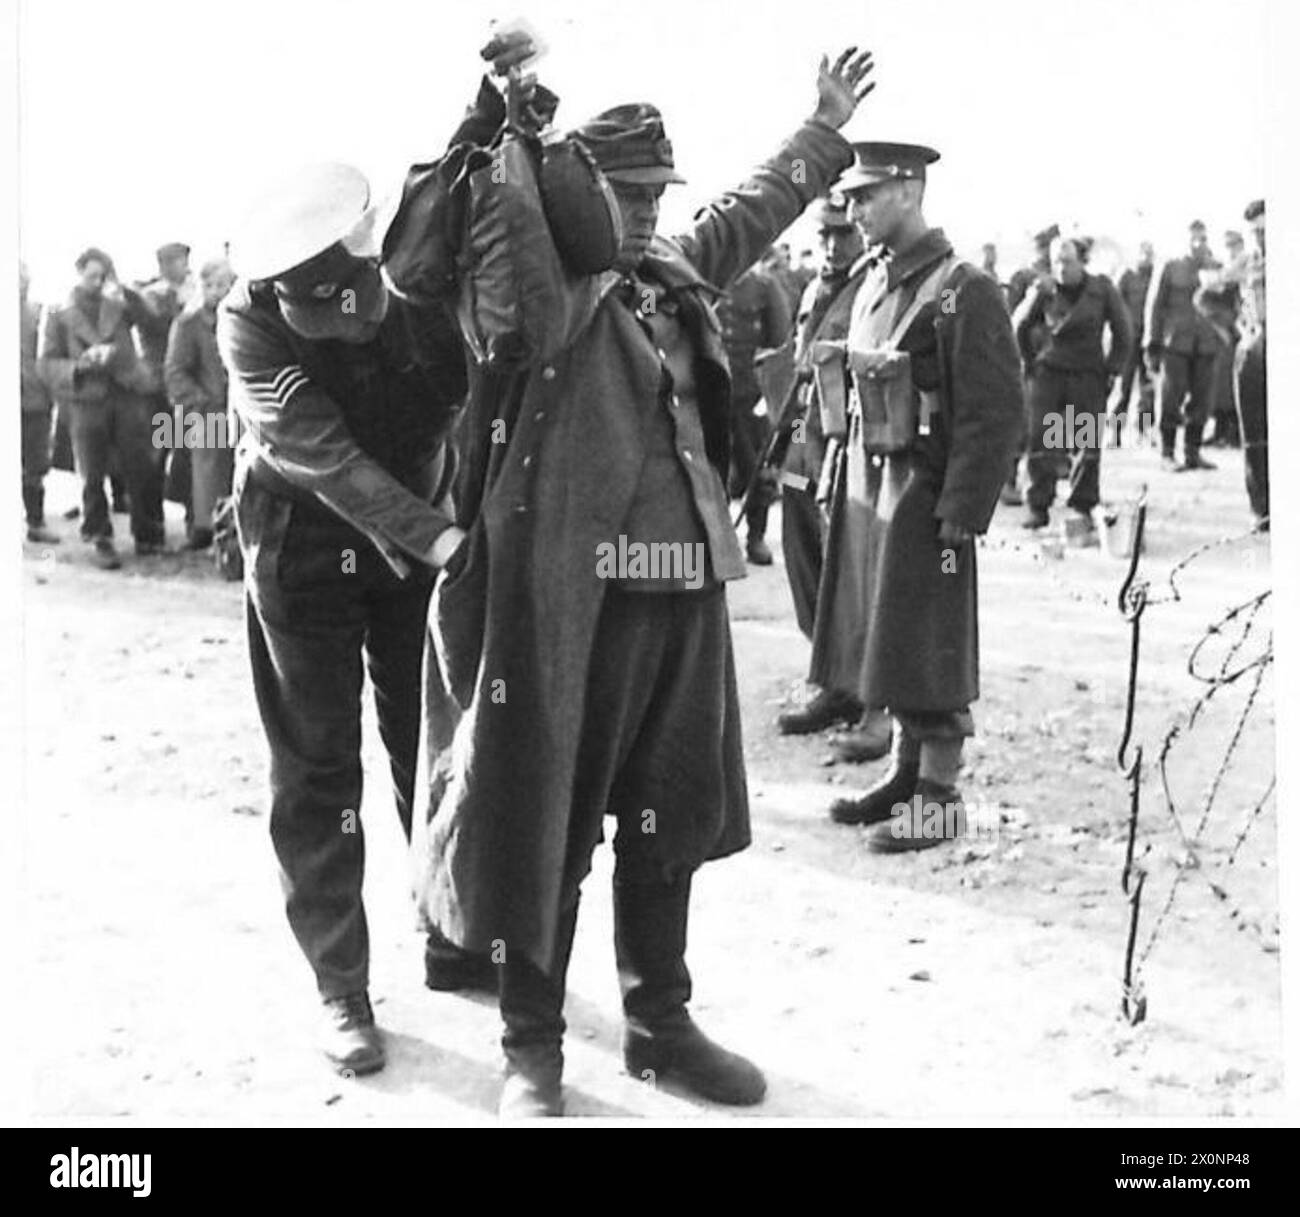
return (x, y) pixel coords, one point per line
(832, 212)
(1196, 226)
(1047, 235)
(1233, 237)
(1253, 210)
(629, 145)
(172, 249)
(299, 217)
(880, 162)
(308, 233)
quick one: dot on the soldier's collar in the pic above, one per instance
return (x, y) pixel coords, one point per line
(927, 253)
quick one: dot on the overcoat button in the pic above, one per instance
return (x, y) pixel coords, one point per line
(548, 372)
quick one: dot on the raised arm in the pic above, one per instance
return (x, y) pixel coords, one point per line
(731, 232)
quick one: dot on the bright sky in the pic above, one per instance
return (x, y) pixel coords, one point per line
(148, 120)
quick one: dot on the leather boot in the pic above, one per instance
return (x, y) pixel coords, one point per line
(868, 741)
(350, 1038)
(936, 814)
(660, 1040)
(897, 786)
(827, 709)
(34, 506)
(532, 1008)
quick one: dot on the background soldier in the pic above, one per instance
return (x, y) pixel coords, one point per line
(929, 471)
(1133, 286)
(1038, 271)
(823, 316)
(34, 402)
(196, 387)
(87, 358)
(346, 394)
(1219, 301)
(754, 316)
(1252, 372)
(152, 307)
(1069, 378)
(833, 606)
(1181, 349)
(989, 261)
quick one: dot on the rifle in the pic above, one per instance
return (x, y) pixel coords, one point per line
(780, 381)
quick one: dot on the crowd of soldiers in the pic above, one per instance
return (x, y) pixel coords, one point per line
(112, 381)
(387, 488)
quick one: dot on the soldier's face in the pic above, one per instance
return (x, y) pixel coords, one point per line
(1199, 243)
(93, 275)
(639, 206)
(1146, 253)
(1257, 231)
(216, 286)
(1067, 266)
(175, 268)
(877, 211)
(840, 247)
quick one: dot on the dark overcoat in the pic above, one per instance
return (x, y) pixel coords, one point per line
(516, 610)
(906, 636)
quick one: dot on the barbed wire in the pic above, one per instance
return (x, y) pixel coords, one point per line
(1133, 599)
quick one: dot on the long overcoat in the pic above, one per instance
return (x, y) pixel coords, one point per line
(901, 626)
(516, 610)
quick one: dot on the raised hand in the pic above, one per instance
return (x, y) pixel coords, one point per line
(509, 47)
(840, 86)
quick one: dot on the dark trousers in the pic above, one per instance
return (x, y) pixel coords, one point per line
(1067, 417)
(1223, 395)
(1184, 393)
(320, 600)
(114, 434)
(749, 435)
(650, 754)
(156, 479)
(1135, 372)
(802, 539)
(1252, 416)
(36, 463)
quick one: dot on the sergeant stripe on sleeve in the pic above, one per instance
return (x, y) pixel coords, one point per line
(275, 388)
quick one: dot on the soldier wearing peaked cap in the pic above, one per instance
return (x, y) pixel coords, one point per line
(622, 691)
(823, 321)
(346, 394)
(934, 412)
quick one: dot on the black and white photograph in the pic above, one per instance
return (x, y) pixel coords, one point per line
(681, 564)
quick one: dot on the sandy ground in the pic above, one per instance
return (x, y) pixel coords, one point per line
(979, 979)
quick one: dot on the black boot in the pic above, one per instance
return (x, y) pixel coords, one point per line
(827, 709)
(532, 1008)
(660, 1040)
(34, 506)
(877, 805)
